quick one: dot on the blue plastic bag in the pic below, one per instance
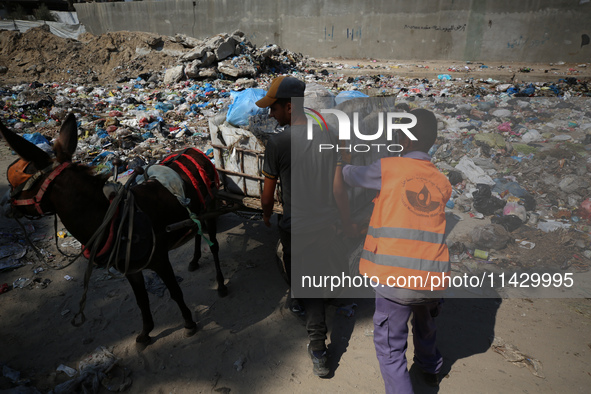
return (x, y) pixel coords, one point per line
(243, 106)
(348, 95)
(36, 138)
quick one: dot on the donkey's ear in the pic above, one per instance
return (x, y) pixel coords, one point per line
(25, 149)
(66, 142)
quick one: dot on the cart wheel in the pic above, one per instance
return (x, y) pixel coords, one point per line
(280, 262)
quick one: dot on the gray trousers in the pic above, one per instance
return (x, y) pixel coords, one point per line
(390, 339)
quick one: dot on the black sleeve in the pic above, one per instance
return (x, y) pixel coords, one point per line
(271, 164)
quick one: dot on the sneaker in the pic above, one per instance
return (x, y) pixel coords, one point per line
(297, 308)
(431, 379)
(320, 361)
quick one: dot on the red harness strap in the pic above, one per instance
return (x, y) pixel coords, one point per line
(36, 201)
(202, 173)
(193, 181)
(217, 179)
(108, 243)
(189, 174)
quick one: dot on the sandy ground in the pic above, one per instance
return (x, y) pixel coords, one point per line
(252, 329)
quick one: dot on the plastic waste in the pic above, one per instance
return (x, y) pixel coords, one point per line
(71, 372)
(243, 106)
(513, 355)
(509, 222)
(454, 177)
(492, 236)
(502, 185)
(239, 364)
(35, 138)
(474, 173)
(552, 225)
(481, 254)
(531, 136)
(348, 95)
(485, 202)
(513, 208)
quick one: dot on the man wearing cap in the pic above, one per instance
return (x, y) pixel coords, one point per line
(314, 197)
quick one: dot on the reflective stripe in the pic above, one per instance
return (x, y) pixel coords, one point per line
(405, 233)
(406, 262)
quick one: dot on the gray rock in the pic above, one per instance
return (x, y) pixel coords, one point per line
(207, 59)
(225, 49)
(155, 42)
(196, 53)
(245, 83)
(174, 75)
(238, 69)
(187, 42)
(192, 69)
(210, 72)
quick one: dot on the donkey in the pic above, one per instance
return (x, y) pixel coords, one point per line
(43, 185)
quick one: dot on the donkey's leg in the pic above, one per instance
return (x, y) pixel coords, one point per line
(166, 273)
(141, 296)
(194, 264)
(215, 248)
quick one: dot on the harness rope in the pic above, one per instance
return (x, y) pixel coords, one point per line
(99, 235)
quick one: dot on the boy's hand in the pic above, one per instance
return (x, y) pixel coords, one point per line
(267, 220)
(351, 231)
(346, 157)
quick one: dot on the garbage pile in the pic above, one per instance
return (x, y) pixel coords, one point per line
(523, 165)
(517, 153)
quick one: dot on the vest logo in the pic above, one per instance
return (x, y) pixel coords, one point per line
(422, 197)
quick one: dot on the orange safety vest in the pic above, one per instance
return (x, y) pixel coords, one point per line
(407, 227)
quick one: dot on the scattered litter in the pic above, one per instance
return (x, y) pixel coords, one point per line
(481, 254)
(492, 236)
(71, 372)
(239, 364)
(21, 283)
(98, 368)
(513, 355)
(525, 244)
(551, 225)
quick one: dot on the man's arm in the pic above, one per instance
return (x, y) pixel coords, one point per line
(271, 174)
(268, 199)
(369, 177)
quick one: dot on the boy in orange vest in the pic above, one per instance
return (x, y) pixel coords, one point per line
(404, 249)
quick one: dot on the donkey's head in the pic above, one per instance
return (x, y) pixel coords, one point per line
(31, 175)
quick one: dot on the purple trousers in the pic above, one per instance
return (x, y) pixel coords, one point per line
(390, 339)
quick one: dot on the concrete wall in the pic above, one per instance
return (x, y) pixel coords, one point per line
(475, 30)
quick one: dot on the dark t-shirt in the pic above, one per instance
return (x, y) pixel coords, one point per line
(306, 176)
